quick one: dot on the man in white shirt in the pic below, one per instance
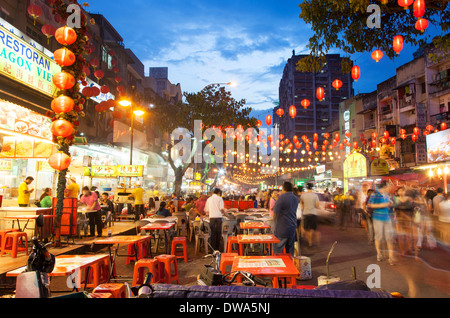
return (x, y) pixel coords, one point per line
(214, 207)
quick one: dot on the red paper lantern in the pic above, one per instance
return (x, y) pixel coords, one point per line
(64, 57)
(337, 137)
(281, 136)
(341, 146)
(386, 134)
(62, 104)
(258, 123)
(307, 147)
(116, 69)
(414, 138)
(94, 63)
(443, 126)
(374, 143)
(295, 139)
(326, 142)
(315, 145)
(429, 127)
(64, 80)
(402, 131)
(62, 128)
(416, 131)
(403, 136)
(421, 24)
(326, 135)
(405, 3)
(104, 89)
(120, 88)
(269, 138)
(59, 161)
(419, 8)
(334, 142)
(426, 132)
(268, 120)
(356, 72)
(382, 140)
(35, 11)
(397, 44)
(292, 111)
(280, 112)
(393, 141)
(320, 93)
(305, 103)
(316, 136)
(374, 135)
(337, 84)
(377, 55)
(355, 145)
(48, 30)
(348, 134)
(117, 114)
(99, 74)
(65, 36)
(95, 91)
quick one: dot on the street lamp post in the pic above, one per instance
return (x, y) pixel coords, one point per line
(127, 103)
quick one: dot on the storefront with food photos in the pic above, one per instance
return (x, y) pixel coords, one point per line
(25, 146)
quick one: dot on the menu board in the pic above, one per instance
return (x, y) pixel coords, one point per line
(103, 171)
(438, 146)
(130, 171)
(17, 147)
(257, 263)
(22, 120)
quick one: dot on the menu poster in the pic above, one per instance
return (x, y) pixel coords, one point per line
(16, 147)
(5, 165)
(8, 147)
(24, 148)
(22, 120)
(256, 263)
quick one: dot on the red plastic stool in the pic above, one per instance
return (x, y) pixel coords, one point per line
(152, 265)
(166, 273)
(180, 241)
(142, 251)
(10, 244)
(101, 295)
(225, 260)
(117, 290)
(230, 241)
(3, 235)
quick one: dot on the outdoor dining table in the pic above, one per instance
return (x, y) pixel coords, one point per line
(268, 239)
(121, 239)
(254, 225)
(26, 218)
(164, 226)
(278, 267)
(69, 265)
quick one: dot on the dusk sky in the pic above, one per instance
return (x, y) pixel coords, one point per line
(209, 41)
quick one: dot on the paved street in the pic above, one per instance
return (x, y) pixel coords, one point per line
(427, 278)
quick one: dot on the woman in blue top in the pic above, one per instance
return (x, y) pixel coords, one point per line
(162, 211)
(380, 202)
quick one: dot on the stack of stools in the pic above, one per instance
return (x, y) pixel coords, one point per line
(230, 242)
(117, 290)
(152, 265)
(169, 262)
(226, 259)
(10, 243)
(184, 253)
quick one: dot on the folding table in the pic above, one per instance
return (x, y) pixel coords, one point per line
(268, 239)
(276, 267)
(155, 226)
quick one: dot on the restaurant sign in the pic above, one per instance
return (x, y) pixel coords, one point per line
(379, 167)
(5, 165)
(104, 171)
(355, 166)
(25, 64)
(130, 171)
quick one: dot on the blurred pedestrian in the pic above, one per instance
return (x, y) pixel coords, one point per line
(380, 202)
(309, 202)
(285, 220)
(90, 199)
(273, 200)
(403, 205)
(437, 200)
(368, 217)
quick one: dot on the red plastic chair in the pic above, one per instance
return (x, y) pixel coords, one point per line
(166, 273)
(183, 242)
(10, 243)
(226, 259)
(152, 265)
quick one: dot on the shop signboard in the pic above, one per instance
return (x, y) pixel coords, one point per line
(43, 166)
(438, 146)
(5, 165)
(25, 64)
(104, 171)
(355, 166)
(130, 171)
(379, 167)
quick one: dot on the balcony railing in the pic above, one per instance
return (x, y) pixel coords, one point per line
(407, 100)
(439, 86)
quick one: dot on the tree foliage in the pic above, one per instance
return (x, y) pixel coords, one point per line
(343, 25)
